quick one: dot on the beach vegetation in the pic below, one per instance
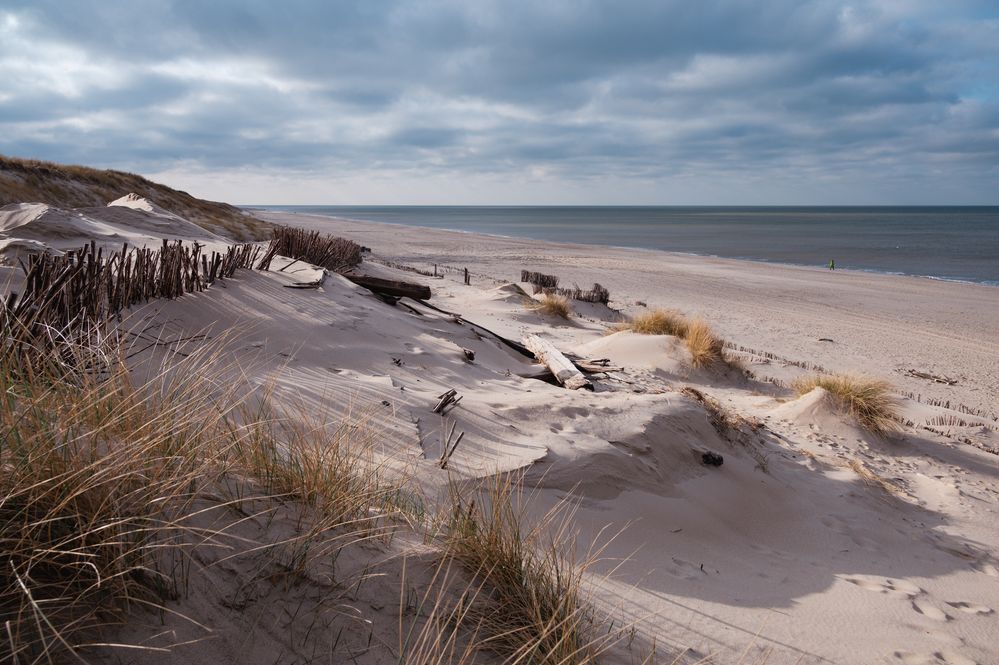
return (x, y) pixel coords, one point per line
(704, 347)
(657, 322)
(72, 186)
(552, 305)
(868, 400)
(532, 607)
(104, 483)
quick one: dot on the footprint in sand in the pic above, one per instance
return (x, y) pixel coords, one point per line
(971, 608)
(898, 588)
(685, 570)
(929, 611)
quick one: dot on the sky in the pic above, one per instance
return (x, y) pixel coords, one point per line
(671, 102)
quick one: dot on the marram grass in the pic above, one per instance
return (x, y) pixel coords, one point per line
(867, 399)
(552, 305)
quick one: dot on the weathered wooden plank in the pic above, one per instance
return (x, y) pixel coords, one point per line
(565, 372)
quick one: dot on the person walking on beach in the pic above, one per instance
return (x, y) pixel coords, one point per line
(832, 264)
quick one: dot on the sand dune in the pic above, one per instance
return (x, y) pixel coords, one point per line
(813, 542)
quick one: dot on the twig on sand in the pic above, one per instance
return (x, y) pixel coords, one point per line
(447, 446)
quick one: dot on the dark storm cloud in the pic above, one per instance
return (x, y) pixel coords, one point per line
(576, 89)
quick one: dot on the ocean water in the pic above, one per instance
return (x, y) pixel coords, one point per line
(952, 243)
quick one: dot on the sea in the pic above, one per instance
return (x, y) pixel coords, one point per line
(946, 243)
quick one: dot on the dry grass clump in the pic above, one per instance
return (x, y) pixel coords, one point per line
(532, 607)
(658, 322)
(705, 349)
(325, 470)
(100, 479)
(94, 473)
(868, 400)
(552, 305)
(872, 478)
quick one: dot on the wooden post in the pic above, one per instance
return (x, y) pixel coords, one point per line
(565, 372)
(467, 282)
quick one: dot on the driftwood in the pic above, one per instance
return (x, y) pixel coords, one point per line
(597, 366)
(391, 287)
(450, 398)
(565, 372)
(448, 443)
(308, 285)
(932, 377)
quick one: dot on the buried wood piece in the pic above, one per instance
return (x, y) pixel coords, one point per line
(307, 285)
(565, 372)
(391, 287)
(450, 398)
(516, 346)
(932, 377)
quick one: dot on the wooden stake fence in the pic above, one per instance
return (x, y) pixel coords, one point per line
(66, 298)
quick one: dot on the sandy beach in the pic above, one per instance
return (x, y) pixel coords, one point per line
(880, 324)
(815, 541)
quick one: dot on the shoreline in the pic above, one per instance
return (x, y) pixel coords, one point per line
(872, 271)
(626, 248)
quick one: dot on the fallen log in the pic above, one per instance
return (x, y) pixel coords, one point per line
(392, 287)
(565, 372)
(516, 346)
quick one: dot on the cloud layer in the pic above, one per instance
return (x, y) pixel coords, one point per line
(773, 101)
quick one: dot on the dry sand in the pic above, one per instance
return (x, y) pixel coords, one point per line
(814, 542)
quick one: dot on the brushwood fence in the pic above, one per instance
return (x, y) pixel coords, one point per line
(548, 284)
(539, 280)
(326, 251)
(66, 299)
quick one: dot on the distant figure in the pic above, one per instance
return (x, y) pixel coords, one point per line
(832, 264)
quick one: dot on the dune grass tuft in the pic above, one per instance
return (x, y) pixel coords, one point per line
(100, 473)
(658, 322)
(533, 608)
(867, 399)
(94, 473)
(705, 349)
(552, 305)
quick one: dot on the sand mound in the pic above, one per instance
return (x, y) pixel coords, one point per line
(37, 226)
(136, 202)
(12, 249)
(652, 352)
(510, 292)
(19, 214)
(651, 443)
(818, 408)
